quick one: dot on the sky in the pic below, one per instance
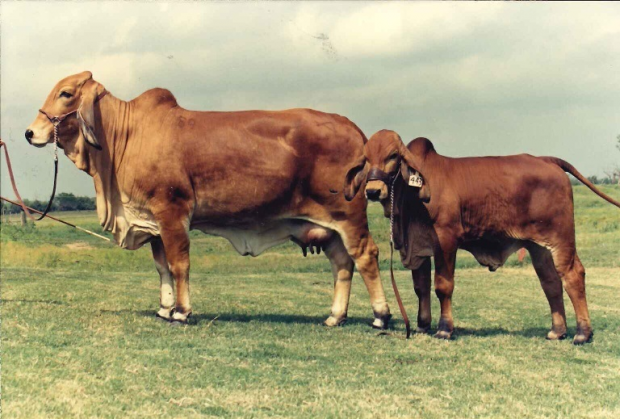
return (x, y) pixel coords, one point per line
(477, 78)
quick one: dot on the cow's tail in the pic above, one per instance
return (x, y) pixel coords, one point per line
(567, 167)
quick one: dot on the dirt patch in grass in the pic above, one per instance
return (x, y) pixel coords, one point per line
(78, 246)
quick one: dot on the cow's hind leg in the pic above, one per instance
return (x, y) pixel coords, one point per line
(342, 268)
(166, 286)
(552, 286)
(422, 287)
(175, 238)
(573, 276)
(365, 254)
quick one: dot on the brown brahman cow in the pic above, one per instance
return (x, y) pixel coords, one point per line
(256, 178)
(489, 206)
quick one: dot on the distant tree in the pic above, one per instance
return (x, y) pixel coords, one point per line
(63, 202)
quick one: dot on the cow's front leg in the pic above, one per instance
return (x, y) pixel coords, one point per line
(166, 286)
(175, 238)
(422, 287)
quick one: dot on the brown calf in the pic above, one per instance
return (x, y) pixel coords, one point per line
(489, 206)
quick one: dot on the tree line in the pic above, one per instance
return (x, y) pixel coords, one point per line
(63, 202)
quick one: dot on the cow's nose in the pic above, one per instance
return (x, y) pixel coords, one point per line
(373, 194)
(29, 134)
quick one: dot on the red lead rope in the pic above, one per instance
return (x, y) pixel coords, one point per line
(8, 165)
(19, 198)
(403, 312)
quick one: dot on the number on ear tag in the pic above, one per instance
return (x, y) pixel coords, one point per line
(415, 180)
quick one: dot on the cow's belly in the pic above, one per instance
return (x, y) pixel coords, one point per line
(133, 228)
(255, 239)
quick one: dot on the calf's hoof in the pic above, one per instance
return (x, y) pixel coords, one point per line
(442, 334)
(335, 321)
(553, 335)
(422, 330)
(580, 339)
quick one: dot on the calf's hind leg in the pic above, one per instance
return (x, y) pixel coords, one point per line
(552, 286)
(573, 276)
(166, 286)
(342, 269)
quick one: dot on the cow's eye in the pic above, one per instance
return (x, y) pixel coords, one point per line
(66, 94)
(393, 156)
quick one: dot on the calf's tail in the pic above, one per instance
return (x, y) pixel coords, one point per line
(567, 167)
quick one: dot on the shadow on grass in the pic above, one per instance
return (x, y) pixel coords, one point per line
(196, 319)
(5, 300)
(273, 318)
(500, 331)
(396, 326)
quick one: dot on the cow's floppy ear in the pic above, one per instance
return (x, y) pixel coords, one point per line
(86, 113)
(354, 179)
(410, 165)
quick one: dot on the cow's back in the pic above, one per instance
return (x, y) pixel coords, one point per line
(251, 164)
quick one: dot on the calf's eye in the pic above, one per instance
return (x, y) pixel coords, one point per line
(66, 94)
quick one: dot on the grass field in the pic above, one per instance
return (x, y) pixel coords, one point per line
(79, 338)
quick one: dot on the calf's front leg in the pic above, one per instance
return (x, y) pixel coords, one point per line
(422, 287)
(444, 286)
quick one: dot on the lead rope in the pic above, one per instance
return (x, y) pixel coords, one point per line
(396, 293)
(49, 204)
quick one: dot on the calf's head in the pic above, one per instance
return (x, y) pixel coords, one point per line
(71, 105)
(385, 157)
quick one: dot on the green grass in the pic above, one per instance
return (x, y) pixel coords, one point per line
(79, 338)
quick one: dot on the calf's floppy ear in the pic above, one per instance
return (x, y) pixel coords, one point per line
(354, 179)
(411, 171)
(86, 112)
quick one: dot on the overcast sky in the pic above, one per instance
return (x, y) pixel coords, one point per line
(476, 78)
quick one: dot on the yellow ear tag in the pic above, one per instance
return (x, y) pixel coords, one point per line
(415, 180)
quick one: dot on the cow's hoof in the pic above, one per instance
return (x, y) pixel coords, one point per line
(381, 322)
(161, 319)
(335, 321)
(422, 330)
(179, 318)
(581, 339)
(553, 335)
(442, 334)
(177, 323)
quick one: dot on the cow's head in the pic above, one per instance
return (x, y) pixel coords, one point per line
(72, 102)
(385, 158)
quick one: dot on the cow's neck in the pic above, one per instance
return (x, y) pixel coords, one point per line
(106, 165)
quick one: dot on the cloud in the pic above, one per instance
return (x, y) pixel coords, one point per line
(475, 77)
